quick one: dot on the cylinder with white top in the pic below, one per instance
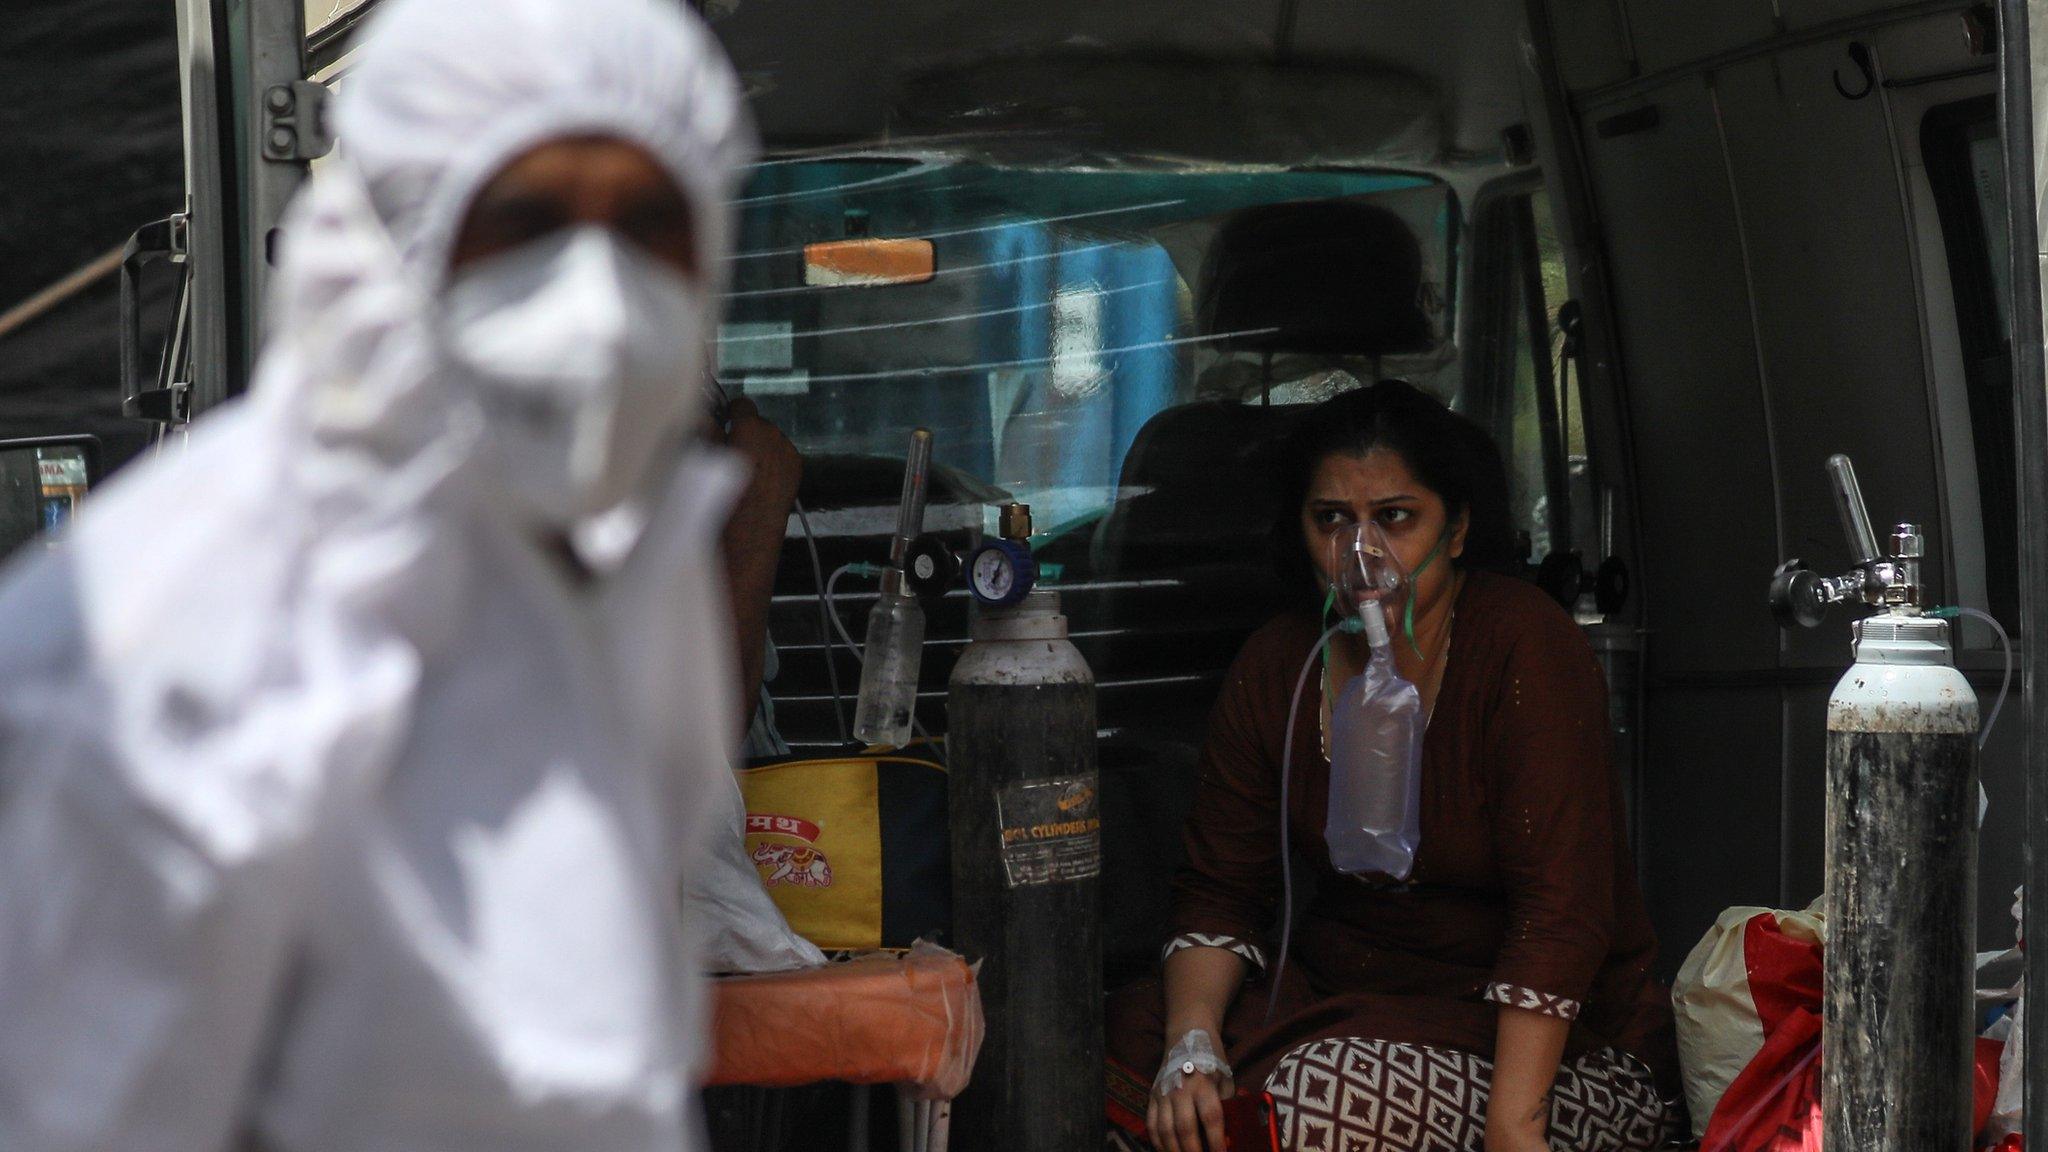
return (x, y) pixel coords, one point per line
(1901, 880)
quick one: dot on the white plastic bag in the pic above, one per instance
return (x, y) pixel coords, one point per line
(742, 929)
(2007, 1109)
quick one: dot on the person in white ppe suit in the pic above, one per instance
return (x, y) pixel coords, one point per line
(351, 758)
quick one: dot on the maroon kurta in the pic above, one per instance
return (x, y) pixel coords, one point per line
(1523, 891)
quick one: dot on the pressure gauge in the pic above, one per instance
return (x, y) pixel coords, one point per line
(1001, 573)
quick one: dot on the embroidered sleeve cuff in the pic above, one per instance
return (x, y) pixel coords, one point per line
(1250, 953)
(1541, 1003)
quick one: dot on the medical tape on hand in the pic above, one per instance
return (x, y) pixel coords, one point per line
(1195, 1054)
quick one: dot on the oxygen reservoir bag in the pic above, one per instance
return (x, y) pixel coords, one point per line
(1374, 823)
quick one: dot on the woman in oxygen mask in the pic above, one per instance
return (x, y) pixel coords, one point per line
(1444, 934)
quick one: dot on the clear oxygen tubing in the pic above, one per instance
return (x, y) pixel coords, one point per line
(824, 629)
(2004, 642)
(1286, 771)
(858, 568)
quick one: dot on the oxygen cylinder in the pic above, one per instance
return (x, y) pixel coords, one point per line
(1901, 879)
(1027, 857)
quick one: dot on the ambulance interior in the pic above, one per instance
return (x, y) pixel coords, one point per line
(1673, 255)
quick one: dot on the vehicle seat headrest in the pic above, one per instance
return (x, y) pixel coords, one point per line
(1328, 277)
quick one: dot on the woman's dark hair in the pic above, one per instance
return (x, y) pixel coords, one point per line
(1449, 453)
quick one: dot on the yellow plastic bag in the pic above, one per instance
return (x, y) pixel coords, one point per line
(853, 849)
(813, 835)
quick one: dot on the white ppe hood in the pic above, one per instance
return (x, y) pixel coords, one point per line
(332, 812)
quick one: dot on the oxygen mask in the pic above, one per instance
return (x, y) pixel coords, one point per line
(1365, 575)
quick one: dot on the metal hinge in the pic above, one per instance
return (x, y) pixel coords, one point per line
(156, 396)
(168, 405)
(295, 122)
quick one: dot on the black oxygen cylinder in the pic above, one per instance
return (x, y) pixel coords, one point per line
(1027, 859)
(1898, 1011)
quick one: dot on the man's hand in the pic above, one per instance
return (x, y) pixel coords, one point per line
(1184, 1119)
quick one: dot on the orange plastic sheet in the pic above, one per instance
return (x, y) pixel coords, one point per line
(913, 1020)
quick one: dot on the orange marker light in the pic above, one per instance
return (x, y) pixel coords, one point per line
(868, 263)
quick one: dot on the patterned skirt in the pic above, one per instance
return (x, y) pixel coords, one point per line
(1353, 1095)
(1347, 1095)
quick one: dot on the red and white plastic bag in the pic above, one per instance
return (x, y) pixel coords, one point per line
(1748, 1008)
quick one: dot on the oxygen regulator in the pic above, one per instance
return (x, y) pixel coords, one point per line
(1801, 596)
(1000, 571)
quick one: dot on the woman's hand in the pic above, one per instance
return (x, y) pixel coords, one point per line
(1190, 1118)
(1200, 984)
(1518, 1137)
(1526, 1055)
(1522, 1140)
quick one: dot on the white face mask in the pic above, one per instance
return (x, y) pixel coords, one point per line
(588, 358)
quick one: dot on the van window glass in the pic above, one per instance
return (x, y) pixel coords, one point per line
(1525, 384)
(1058, 320)
(1072, 344)
(1965, 170)
(1549, 428)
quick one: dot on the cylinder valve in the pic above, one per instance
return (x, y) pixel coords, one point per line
(1801, 596)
